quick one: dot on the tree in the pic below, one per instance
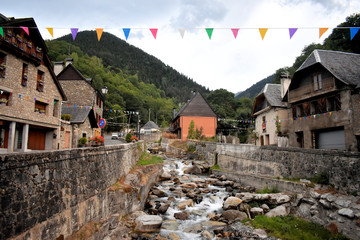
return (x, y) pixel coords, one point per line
(191, 130)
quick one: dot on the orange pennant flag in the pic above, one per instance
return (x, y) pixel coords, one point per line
(51, 31)
(99, 32)
(322, 31)
(263, 32)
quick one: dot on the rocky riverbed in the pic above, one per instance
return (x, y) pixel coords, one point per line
(188, 204)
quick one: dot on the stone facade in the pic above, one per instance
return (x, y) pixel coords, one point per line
(52, 193)
(19, 120)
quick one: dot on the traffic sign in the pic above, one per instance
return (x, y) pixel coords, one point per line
(102, 123)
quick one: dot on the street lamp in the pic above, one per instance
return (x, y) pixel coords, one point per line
(104, 91)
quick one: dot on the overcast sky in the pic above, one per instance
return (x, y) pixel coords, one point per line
(223, 61)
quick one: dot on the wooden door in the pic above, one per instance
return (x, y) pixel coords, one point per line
(36, 139)
(67, 139)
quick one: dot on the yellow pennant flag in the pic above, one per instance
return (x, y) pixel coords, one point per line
(263, 32)
(322, 31)
(51, 31)
(99, 32)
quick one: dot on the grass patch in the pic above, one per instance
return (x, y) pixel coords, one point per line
(290, 227)
(321, 178)
(216, 167)
(191, 148)
(147, 159)
(268, 190)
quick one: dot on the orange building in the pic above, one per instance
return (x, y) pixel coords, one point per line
(198, 110)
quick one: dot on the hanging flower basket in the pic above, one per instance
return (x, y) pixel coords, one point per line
(9, 33)
(23, 83)
(42, 111)
(36, 110)
(38, 50)
(96, 141)
(29, 45)
(2, 66)
(25, 77)
(18, 37)
(41, 83)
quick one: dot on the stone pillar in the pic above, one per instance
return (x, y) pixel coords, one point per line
(25, 137)
(11, 140)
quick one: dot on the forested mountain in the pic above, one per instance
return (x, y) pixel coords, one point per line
(254, 90)
(118, 54)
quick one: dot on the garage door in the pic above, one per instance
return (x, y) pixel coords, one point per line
(334, 139)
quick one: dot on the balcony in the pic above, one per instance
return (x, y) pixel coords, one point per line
(21, 48)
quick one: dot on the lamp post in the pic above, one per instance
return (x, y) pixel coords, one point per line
(104, 91)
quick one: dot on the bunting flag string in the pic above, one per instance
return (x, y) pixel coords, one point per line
(353, 31)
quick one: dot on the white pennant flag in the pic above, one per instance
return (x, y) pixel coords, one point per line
(182, 32)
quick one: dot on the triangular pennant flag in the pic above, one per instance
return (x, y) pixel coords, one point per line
(99, 32)
(26, 29)
(353, 32)
(126, 32)
(292, 31)
(74, 31)
(182, 32)
(209, 32)
(322, 31)
(235, 32)
(1, 31)
(51, 31)
(262, 32)
(154, 31)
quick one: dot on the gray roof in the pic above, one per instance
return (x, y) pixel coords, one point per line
(79, 115)
(344, 66)
(272, 93)
(150, 125)
(196, 106)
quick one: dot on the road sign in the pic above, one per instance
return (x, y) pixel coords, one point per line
(102, 123)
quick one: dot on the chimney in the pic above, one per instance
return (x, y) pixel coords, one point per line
(285, 82)
(174, 112)
(68, 61)
(58, 67)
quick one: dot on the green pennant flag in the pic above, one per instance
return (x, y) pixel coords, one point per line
(1, 31)
(209, 31)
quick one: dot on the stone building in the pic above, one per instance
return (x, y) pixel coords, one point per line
(269, 108)
(324, 101)
(30, 94)
(85, 103)
(198, 110)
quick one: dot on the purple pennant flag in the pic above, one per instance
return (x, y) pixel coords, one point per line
(74, 31)
(292, 31)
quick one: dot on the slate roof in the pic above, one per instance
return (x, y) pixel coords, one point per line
(79, 115)
(196, 106)
(150, 125)
(272, 93)
(344, 66)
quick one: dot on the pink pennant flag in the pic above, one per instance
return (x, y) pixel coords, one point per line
(235, 32)
(292, 31)
(154, 31)
(74, 32)
(26, 29)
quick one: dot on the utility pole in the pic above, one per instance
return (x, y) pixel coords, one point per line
(149, 113)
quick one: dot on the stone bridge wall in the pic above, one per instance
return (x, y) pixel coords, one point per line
(50, 193)
(268, 161)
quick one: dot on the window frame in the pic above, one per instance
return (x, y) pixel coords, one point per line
(40, 81)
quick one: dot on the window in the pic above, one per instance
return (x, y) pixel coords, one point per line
(24, 76)
(56, 108)
(334, 103)
(40, 81)
(264, 124)
(317, 80)
(40, 107)
(2, 65)
(294, 111)
(4, 98)
(84, 135)
(321, 105)
(306, 109)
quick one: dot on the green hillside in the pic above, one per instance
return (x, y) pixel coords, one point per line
(254, 90)
(118, 54)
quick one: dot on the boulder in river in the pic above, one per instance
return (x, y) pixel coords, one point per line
(232, 203)
(148, 223)
(232, 215)
(182, 215)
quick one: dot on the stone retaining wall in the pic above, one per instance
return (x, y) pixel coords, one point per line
(47, 194)
(341, 167)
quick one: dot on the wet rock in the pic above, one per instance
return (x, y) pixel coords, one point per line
(196, 228)
(171, 225)
(165, 176)
(222, 178)
(148, 223)
(232, 215)
(245, 196)
(176, 180)
(256, 211)
(265, 207)
(278, 211)
(210, 225)
(163, 208)
(171, 199)
(181, 215)
(158, 192)
(207, 235)
(186, 203)
(174, 236)
(193, 170)
(189, 185)
(232, 203)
